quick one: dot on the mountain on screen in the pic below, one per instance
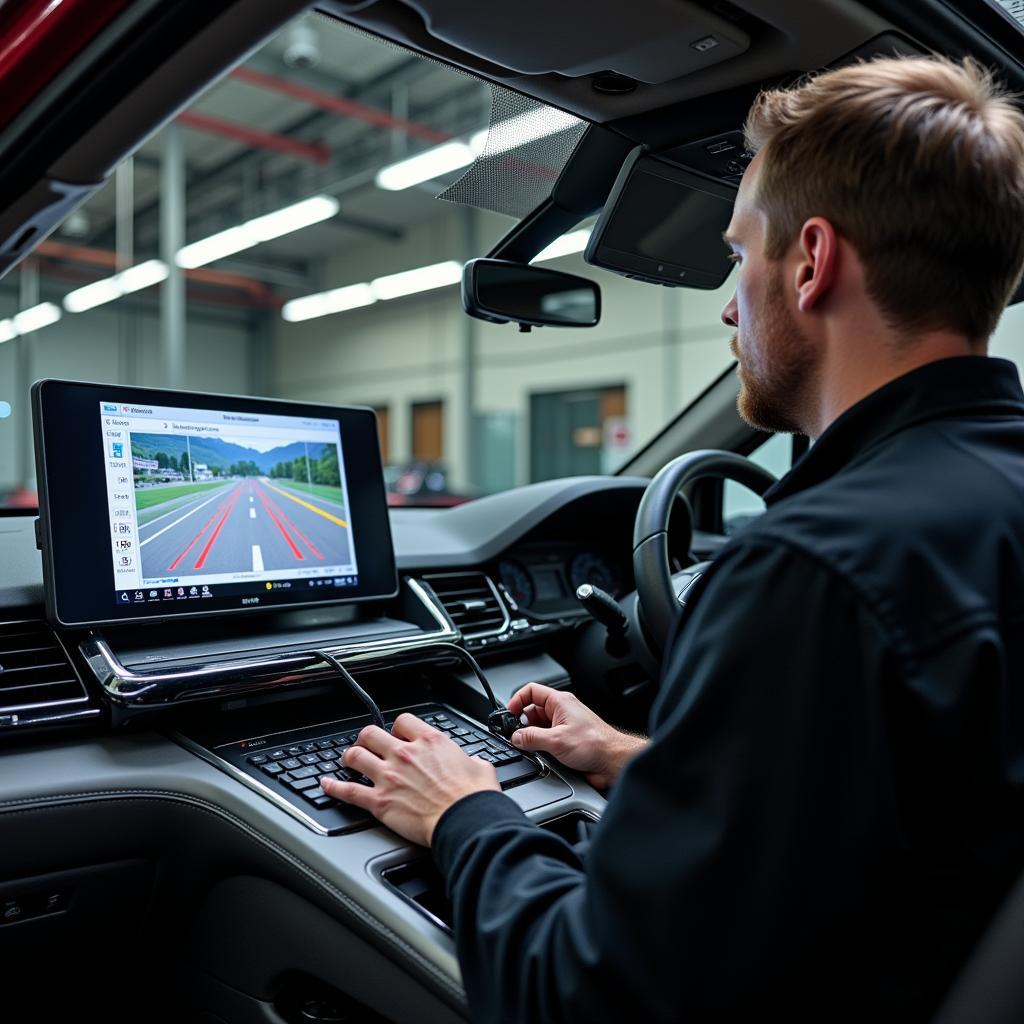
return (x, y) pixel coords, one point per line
(211, 451)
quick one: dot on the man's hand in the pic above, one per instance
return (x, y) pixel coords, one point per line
(417, 774)
(564, 726)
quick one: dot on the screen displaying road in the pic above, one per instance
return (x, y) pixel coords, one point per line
(218, 497)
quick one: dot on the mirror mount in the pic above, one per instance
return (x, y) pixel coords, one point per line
(502, 291)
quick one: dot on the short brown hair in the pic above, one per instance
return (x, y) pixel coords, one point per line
(919, 163)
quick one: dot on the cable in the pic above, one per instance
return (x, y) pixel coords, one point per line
(371, 704)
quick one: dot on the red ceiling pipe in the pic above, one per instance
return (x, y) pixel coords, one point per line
(253, 137)
(258, 292)
(337, 104)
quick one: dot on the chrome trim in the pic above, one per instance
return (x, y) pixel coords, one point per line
(130, 687)
(254, 784)
(20, 721)
(494, 590)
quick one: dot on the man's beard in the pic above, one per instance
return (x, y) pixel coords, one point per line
(777, 370)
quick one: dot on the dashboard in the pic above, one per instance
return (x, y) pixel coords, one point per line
(141, 757)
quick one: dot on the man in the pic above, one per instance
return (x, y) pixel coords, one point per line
(832, 801)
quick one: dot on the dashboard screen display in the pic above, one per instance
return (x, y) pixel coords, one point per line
(197, 505)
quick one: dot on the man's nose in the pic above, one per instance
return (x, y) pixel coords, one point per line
(730, 315)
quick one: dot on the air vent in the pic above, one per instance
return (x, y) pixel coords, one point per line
(35, 674)
(472, 602)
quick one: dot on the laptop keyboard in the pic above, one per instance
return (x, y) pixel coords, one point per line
(290, 765)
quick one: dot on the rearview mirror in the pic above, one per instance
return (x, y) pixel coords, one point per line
(504, 292)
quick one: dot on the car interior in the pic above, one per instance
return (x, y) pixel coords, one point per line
(171, 695)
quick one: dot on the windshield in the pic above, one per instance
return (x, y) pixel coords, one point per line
(298, 194)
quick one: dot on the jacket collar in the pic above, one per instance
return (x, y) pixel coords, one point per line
(958, 386)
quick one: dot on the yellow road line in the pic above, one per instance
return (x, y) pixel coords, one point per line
(312, 508)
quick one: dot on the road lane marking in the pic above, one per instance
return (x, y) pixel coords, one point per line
(277, 522)
(252, 511)
(306, 504)
(215, 496)
(216, 512)
(213, 536)
(257, 558)
(251, 499)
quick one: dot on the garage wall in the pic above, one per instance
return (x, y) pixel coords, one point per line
(664, 345)
(88, 347)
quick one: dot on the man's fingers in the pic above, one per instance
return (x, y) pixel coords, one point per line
(532, 738)
(350, 792)
(361, 760)
(537, 716)
(376, 739)
(409, 727)
(531, 693)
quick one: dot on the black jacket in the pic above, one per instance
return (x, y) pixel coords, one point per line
(832, 803)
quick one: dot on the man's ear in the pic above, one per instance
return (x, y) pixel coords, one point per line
(818, 266)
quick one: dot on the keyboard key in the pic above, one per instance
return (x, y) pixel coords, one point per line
(441, 718)
(309, 747)
(484, 756)
(318, 799)
(309, 758)
(324, 744)
(299, 785)
(508, 758)
(328, 775)
(461, 740)
(272, 768)
(458, 731)
(473, 748)
(305, 772)
(278, 755)
(327, 766)
(291, 762)
(295, 751)
(258, 759)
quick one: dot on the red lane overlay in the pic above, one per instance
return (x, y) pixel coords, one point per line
(174, 565)
(213, 536)
(277, 522)
(288, 521)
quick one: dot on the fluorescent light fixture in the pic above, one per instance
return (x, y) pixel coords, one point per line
(7, 331)
(352, 296)
(565, 245)
(425, 166)
(259, 229)
(91, 295)
(144, 275)
(215, 247)
(36, 317)
(292, 218)
(110, 288)
(322, 303)
(422, 279)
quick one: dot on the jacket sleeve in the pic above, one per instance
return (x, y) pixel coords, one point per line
(732, 850)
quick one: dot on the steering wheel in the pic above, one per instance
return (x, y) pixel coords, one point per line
(660, 593)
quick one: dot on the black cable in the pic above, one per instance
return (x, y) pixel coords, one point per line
(371, 704)
(500, 721)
